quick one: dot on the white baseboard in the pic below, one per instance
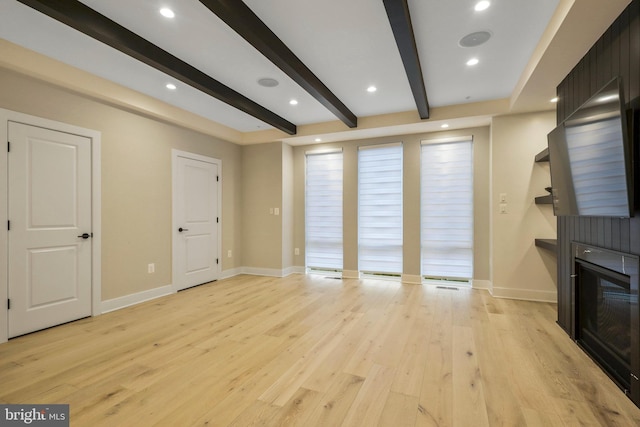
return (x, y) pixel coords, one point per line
(226, 274)
(271, 272)
(496, 292)
(481, 284)
(294, 270)
(411, 279)
(350, 274)
(525, 294)
(137, 298)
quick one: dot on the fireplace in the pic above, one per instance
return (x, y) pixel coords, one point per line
(606, 313)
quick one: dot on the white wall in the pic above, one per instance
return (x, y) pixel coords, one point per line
(519, 268)
(262, 193)
(136, 180)
(287, 208)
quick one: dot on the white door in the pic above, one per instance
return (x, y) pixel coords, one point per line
(49, 203)
(196, 220)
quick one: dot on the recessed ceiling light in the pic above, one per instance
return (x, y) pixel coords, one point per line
(293, 102)
(482, 5)
(318, 139)
(268, 82)
(167, 13)
(372, 89)
(472, 62)
(556, 99)
(444, 126)
(171, 86)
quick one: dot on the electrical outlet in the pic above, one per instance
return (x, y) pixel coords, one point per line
(151, 268)
(296, 251)
(229, 253)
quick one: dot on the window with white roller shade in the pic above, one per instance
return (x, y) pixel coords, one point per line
(380, 209)
(323, 210)
(447, 209)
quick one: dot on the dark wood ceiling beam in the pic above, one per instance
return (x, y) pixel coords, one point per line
(237, 15)
(400, 20)
(81, 17)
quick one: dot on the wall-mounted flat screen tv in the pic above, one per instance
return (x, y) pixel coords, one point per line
(590, 158)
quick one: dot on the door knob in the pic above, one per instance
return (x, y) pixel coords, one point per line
(85, 235)
(182, 229)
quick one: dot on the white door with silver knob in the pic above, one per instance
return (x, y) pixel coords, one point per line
(196, 219)
(49, 205)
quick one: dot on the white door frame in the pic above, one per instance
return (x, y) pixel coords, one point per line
(96, 208)
(174, 225)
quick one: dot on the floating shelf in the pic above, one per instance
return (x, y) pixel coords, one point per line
(544, 200)
(548, 244)
(543, 156)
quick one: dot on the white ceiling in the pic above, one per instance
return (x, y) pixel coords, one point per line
(348, 44)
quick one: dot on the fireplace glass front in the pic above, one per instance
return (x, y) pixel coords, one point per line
(607, 312)
(603, 325)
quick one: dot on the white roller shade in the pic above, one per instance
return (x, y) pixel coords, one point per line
(323, 210)
(447, 210)
(380, 209)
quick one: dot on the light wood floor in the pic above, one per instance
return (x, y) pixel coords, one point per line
(313, 351)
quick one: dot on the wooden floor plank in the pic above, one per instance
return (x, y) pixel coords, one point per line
(311, 351)
(334, 364)
(468, 392)
(410, 372)
(503, 408)
(336, 402)
(286, 386)
(399, 410)
(546, 419)
(369, 403)
(436, 394)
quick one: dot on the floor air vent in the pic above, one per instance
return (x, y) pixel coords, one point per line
(449, 288)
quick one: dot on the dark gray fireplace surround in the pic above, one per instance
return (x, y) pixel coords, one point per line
(607, 326)
(616, 53)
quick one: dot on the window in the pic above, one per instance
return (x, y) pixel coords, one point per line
(447, 209)
(323, 211)
(380, 209)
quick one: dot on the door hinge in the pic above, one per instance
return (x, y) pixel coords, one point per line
(217, 178)
(8, 146)
(217, 220)
(8, 304)
(217, 261)
(8, 225)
